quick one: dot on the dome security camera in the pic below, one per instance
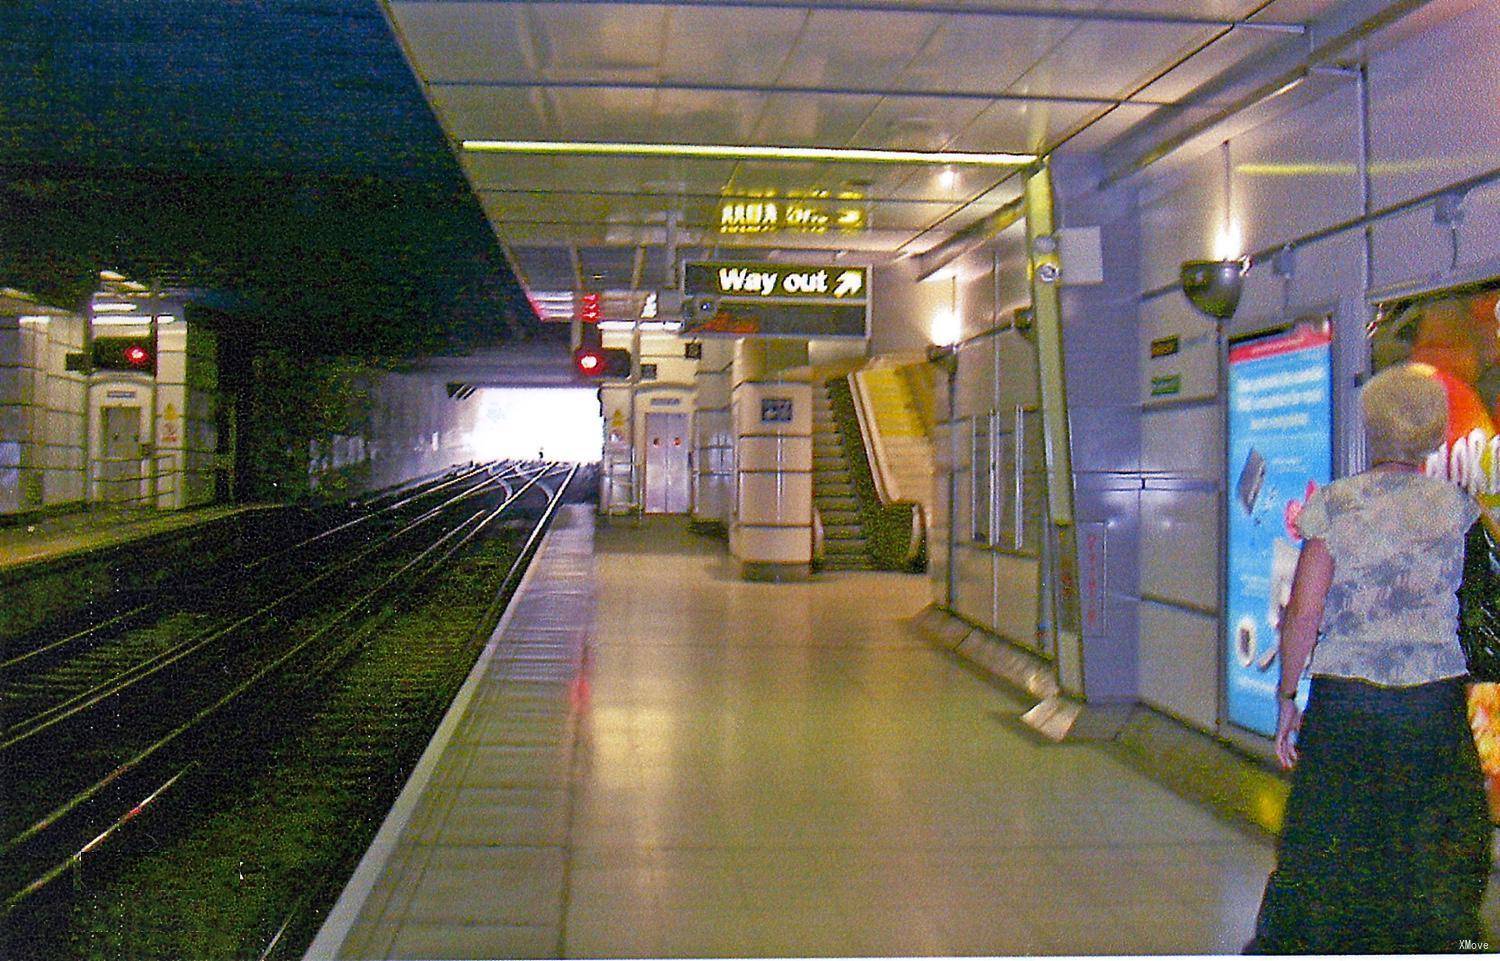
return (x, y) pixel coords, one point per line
(1214, 286)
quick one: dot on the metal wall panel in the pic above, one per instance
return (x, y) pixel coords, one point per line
(1180, 546)
(1017, 590)
(1179, 667)
(974, 584)
(1195, 363)
(1184, 440)
(1433, 116)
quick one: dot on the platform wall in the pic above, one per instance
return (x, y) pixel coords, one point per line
(408, 427)
(1432, 122)
(1147, 470)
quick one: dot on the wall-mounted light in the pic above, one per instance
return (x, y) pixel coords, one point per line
(1229, 240)
(946, 328)
(1214, 286)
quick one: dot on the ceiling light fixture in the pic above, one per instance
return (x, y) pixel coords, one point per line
(749, 152)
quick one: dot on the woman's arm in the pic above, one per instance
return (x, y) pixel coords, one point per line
(1299, 634)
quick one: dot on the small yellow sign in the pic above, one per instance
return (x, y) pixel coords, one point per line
(809, 212)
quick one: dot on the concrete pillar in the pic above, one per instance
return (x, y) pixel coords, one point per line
(41, 409)
(186, 408)
(771, 526)
(713, 436)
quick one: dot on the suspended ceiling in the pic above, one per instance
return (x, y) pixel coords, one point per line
(1030, 77)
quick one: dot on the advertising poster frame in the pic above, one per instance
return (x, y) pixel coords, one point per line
(1280, 440)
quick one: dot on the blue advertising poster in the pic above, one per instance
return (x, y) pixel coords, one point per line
(1280, 451)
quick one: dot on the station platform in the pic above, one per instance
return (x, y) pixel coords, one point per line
(56, 536)
(654, 758)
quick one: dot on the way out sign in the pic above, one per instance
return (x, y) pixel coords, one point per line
(758, 299)
(763, 281)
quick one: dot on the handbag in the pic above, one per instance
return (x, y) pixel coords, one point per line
(1479, 603)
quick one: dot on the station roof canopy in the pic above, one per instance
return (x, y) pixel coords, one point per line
(284, 143)
(598, 134)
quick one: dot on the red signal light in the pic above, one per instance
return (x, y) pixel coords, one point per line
(602, 362)
(136, 355)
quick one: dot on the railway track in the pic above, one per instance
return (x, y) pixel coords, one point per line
(99, 726)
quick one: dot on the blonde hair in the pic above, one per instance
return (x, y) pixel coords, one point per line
(1406, 413)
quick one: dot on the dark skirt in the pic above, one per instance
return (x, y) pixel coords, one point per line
(1385, 847)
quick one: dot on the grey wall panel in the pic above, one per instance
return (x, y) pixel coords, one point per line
(1196, 362)
(1016, 361)
(1180, 546)
(1479, 238)
(1300, 173)
(1181, 208)
(1106, 438)
(1111, 648)
(1433, 116)
(1110, 667)
(1179, 663)
(1183, 440)
(974, 584)
(962, 514)
(1017, 584)
(1411, 249)
(1323, 270)
(976, 377)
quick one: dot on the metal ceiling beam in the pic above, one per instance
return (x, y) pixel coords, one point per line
(942, 254)
(675, 86)
(994, 11)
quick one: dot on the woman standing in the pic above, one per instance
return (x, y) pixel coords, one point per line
(1386, 842)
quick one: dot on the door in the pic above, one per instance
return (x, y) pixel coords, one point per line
(120, 468)
(667, 474)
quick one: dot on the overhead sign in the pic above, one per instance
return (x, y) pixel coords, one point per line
(793, 216)
(763, 281)
(759, 299)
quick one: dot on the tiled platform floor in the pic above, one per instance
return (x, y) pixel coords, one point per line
(743, 769)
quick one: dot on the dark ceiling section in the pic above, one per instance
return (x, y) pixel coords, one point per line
(607, 268)
(280, 149)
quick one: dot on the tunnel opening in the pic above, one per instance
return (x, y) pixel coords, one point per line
(538, 423)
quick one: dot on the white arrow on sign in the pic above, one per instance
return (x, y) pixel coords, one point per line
(849, 282)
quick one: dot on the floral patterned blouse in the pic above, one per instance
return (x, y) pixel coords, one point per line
(1397, 542)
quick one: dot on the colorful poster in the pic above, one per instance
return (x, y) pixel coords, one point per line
(1457, 338)
(1280, 443)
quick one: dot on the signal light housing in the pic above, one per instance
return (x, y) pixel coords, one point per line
(597, 363)
(137, 354)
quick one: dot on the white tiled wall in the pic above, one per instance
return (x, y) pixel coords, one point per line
(41, 413)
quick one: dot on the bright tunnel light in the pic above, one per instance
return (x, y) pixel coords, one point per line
(524, 423)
